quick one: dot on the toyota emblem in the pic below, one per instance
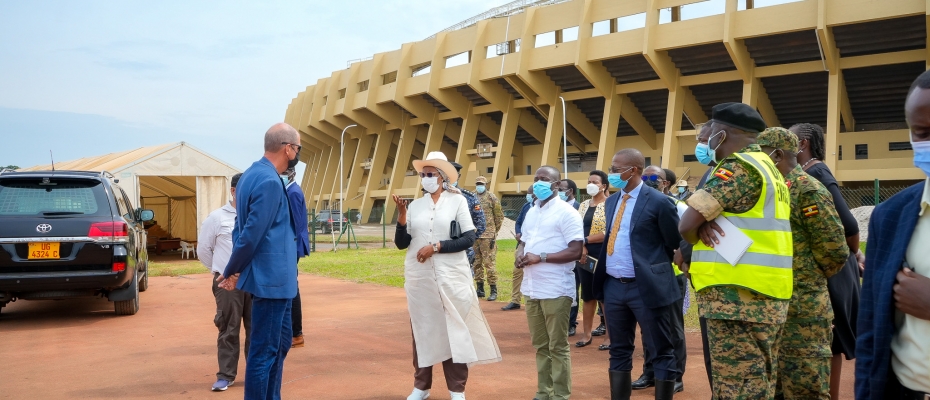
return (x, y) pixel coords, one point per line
(44, 228)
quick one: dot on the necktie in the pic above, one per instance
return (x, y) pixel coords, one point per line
(616, 227)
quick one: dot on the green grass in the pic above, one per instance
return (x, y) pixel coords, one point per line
(176, 268)
(325, 238)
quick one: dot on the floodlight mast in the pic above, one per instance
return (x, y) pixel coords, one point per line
(342, 145)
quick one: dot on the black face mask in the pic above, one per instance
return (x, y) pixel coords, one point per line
(652, 184)
(293, 162)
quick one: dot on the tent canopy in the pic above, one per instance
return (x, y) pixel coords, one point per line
(180, 182)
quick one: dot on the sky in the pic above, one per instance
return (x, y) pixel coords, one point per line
(85, 78)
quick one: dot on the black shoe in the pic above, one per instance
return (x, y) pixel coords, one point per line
(620, 385)
(493, 295)
(665, 390)
(511, 306)
(571, 331)
(644, 382)
(599, 331)
(679, 387)
(480, 290)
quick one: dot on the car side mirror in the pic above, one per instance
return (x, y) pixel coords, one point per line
(146, 215)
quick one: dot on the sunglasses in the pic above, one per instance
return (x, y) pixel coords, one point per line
(292, 144)
(428, 174)
(652, 178)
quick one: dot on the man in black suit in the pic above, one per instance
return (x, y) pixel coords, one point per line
(637, 282)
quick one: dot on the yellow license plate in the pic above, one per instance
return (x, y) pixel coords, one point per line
(43, 251)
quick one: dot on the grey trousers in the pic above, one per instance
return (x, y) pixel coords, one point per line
(232, 309)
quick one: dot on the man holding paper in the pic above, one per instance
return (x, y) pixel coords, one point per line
(746, 302)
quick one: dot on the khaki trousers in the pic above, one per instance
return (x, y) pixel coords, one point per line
(548, 320)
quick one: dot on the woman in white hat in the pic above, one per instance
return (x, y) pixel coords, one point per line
(448, 326)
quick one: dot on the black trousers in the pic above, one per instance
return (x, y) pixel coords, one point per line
(297, 317)
(678, 339)
(624, 308)
(573, 314)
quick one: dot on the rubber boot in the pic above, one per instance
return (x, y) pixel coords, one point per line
(493, 295)
(480, 290)
(620, 382)
(665, 390)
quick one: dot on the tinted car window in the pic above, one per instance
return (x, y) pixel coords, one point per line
(28, 197)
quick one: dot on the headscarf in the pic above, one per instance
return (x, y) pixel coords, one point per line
(446, 185)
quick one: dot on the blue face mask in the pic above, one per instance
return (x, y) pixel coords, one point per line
(529, 197)
(616, 180)
(542, 190)
(704, 154)
(563, 196)
(284, 179)
(681, 190)
(922, 155)
(480, 189)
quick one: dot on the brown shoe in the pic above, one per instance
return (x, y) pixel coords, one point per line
(297, 341)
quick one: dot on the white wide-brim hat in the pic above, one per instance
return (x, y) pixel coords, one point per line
(438, 160)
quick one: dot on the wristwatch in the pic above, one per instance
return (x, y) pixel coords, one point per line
(542, 257)
(436, 247)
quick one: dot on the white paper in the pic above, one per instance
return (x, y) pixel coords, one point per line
(734, 244)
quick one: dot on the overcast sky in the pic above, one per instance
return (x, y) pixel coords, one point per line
(84, 78)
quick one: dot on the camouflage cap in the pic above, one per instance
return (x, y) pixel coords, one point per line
(778, 138)
(482, 180)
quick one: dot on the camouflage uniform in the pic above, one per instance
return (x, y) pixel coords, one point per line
(820, 252)
(477, 217)
(485, 248)
(742, 326)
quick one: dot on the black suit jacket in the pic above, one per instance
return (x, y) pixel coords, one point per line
(654, 235)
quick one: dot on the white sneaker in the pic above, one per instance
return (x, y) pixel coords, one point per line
(457, 395)
(419, 394)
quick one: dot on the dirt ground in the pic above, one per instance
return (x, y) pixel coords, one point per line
(358, 347)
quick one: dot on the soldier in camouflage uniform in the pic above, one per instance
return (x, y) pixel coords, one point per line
(820, 251)
(743, 326)
(485, 248)
(477, 213)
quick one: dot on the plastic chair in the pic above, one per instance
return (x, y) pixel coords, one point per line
(188, 248)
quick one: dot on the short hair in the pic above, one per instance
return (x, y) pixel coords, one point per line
(235, 180)
(814, 135)
(635, 157)
(277, 135)
(291, 174)
(661, 172)
(554, 173)
(600, 174)
(571, 185)
(670, 175)
(922, 81)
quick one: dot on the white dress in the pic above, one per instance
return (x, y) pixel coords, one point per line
(444, 313)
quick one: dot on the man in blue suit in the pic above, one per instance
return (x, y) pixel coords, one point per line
(264, 260)
(298, 205)
(893, 343)
(636, 279)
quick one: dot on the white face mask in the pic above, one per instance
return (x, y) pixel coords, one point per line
(593, 189)
(430, 184)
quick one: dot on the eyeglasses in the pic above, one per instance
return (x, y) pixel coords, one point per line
(619, 171)
(428, 174)
(652, 178)
(292, 144)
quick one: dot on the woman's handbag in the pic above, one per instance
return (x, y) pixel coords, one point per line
(455, 231)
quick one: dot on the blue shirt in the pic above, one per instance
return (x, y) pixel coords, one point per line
(620, 264)
(522, 216)
(298, 205)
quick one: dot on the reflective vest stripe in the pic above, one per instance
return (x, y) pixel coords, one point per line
(762, 224)
(760, 259)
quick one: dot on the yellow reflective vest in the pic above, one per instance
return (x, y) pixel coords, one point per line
(766, 266)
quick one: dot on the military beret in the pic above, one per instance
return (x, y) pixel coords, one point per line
(778, 138)
(481, 180)
(738, 115)
(458, 167)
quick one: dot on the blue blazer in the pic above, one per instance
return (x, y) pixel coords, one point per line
(264, 247)
(298, 205)
(654, 231)
(890, 230)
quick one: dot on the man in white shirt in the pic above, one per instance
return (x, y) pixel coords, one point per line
(552, 238)
(233, 307)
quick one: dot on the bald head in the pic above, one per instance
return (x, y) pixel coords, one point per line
(552, 172)
(279, 134)
(632, 157)
(655, 170)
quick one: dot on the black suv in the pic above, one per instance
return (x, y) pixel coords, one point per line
(330, 220)
(70, 233)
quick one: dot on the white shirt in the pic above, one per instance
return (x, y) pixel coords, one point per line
(214, 244)
(620, 264)
(549, 229)
(910, 348)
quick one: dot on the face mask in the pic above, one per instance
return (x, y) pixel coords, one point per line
(563, 196)
(529, 198)
(681, 190)
(593, 189)
(430, 184)
(922, 156)
(284, 179)
(704, 153)
(617, 181)
(542, 190)
(455, 184)
(480, 189)
(293, 163)
(652, 184)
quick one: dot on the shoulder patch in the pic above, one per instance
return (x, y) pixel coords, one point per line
(811, 210)
(477, 207)
(723, 174)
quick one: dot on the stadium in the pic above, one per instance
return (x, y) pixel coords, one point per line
(488, 92)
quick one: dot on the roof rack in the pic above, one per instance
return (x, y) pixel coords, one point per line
(105, 174)
(2, 170)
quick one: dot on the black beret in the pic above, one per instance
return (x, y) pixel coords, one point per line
(458, 167)
(738, 115)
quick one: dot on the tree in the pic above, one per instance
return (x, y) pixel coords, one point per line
(9, 167)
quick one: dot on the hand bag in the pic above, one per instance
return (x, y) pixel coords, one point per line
(455, 231)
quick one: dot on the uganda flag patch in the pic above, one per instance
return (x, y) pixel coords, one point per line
(810, 210)
(723, 174)
(477, 207)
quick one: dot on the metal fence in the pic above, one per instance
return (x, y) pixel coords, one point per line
(869, 196)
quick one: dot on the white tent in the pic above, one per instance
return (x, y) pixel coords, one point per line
(180, 182)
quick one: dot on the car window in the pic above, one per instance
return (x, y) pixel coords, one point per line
(128, 214)
(43, 196)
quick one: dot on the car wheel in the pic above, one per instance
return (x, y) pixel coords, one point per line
(131, 306)
(144, 283)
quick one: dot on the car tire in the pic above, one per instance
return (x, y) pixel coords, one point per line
(131, 306)
(144, 282)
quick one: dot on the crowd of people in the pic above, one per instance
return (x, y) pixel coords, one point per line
(765, 242)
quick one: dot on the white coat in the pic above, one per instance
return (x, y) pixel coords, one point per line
(444, 313)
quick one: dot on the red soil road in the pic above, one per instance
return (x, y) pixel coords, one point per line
(358, 347)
